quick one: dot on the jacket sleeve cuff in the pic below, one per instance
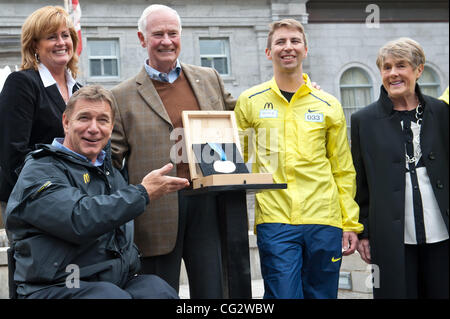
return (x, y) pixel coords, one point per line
(363, 235)
(144, 193)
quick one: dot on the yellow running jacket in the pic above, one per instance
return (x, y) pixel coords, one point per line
(444, 96)
(302, 143)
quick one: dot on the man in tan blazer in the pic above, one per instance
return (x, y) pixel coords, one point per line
(145, 136)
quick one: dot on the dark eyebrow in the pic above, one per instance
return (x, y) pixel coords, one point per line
(82, 113)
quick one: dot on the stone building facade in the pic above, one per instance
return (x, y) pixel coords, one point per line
(338, 34)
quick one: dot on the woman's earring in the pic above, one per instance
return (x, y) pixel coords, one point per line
(37, 57)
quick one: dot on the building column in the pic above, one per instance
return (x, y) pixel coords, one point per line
(265, 66)
(282, 9)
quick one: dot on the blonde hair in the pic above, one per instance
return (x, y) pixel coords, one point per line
(41, 23)
(285, 23)
(402, 49)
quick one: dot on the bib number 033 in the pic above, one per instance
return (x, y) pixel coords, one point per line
(314, 117)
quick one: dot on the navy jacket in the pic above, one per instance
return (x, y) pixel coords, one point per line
(65, 211)
(29, 114)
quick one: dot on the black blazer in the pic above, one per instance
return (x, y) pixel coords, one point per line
(29, 114)
(378, 150)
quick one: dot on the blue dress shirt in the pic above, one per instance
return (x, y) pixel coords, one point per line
(58, 142)
(170, 77)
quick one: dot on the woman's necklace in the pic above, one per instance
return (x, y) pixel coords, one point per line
(419, 114)
(416, 136)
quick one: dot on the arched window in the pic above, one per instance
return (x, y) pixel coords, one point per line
(356, 92)
(429, 82)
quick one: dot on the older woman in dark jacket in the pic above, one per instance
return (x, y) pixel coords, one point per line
(400, 151)
(33, 99)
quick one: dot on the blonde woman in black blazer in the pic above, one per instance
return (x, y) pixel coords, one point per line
(400, 148)
(33, 99)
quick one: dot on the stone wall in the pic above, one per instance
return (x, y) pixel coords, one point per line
(333, 48)
(4, 292)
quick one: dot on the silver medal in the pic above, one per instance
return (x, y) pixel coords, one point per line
(224, 167)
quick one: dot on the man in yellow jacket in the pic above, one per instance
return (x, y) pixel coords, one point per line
(299, 134)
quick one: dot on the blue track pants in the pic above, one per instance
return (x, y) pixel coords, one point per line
(299, 261)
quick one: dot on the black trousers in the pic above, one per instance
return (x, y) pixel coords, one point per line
(138, 287)
(198, 244)
(427, 270)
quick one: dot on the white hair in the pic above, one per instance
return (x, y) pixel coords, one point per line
(142, 22)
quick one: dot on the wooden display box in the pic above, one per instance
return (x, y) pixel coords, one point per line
(202, 127)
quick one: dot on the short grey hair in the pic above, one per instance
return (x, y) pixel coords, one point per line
(402, 48)
(142, 22)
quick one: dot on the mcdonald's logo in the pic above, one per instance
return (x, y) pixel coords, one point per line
(86, 178)
(268, 105)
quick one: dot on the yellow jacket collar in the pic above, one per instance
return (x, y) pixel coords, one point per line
(303, 90)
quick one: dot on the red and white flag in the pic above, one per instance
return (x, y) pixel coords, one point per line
(76, 16)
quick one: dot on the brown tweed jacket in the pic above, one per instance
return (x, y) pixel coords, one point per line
(142, 136)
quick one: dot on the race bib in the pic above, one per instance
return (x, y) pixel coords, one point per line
(267, 113)
(314, 117)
